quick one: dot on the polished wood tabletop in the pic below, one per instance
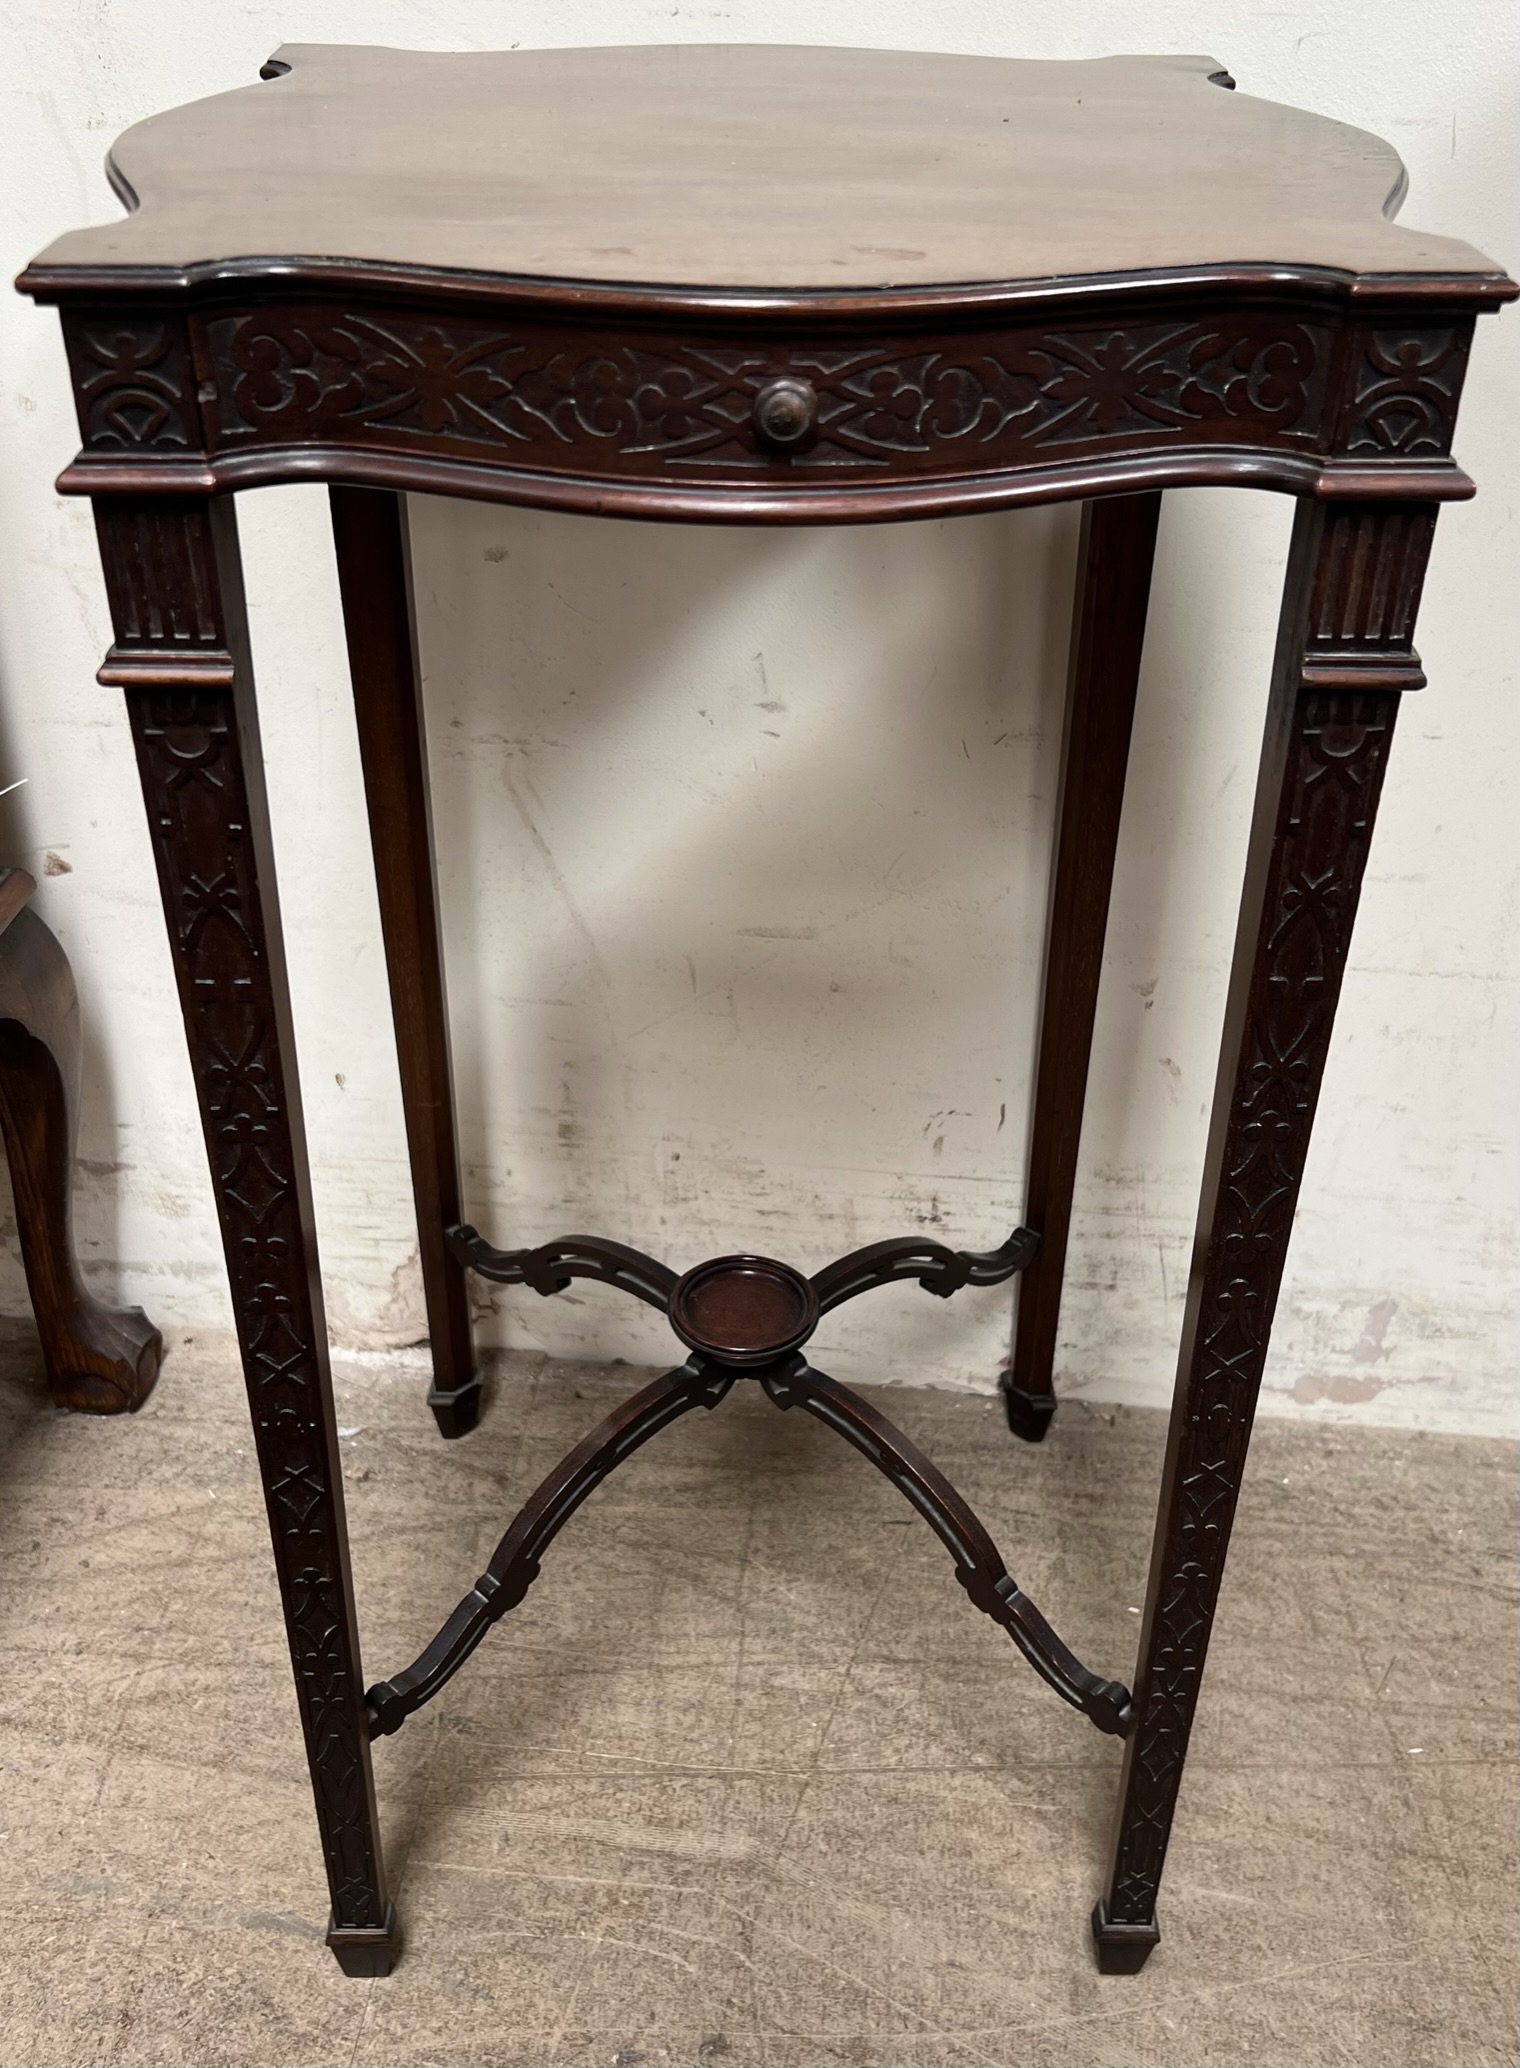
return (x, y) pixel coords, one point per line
(753, 167)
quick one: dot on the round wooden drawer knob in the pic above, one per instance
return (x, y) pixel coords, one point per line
(785, 413)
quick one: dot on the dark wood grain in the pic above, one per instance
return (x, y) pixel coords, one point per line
(375, 581)
(937, 1268)
(789, 1381)
(1118, 546)
(662, 416)
(517, 1560)
(757, 286)
(17, 887)
(1353, 587)
(175, 587)
(98, 1358)
(760, 166)
(979, 1565)
(478, 333)
(744, 1311)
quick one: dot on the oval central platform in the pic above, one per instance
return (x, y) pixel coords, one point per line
(744, 1311)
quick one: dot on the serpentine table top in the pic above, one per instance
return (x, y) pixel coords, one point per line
(718, 166)
(565, 276)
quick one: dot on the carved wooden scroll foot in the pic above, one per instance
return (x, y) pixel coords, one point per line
(99, 1359)
(743, 1316)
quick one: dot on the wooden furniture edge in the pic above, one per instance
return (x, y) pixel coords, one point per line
(477, 481)
(16, 887)
(53, 284)
(923, 404)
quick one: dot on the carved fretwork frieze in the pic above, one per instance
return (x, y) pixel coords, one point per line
(541, 396)
(643, 403)
(1405, 387)
(133, 384)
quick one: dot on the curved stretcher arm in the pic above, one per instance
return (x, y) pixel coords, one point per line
(978, 1567)
(515, 1562)
(938, 1270)
(550, 1267)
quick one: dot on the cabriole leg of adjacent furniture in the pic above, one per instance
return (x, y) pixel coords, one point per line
(181, 654)
(1108, 632)
(374, 575)
(100, 1359)
(1344, 656)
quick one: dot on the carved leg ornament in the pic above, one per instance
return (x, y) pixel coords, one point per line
(745, 1317)
(181, 655)
(1344, 656)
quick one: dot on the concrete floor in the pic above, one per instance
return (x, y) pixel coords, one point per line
(746, 1781)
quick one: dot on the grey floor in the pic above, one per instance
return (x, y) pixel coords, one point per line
(746, 1781)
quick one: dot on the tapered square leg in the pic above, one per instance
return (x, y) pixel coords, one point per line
(181, 653)
(1029, 1414)
(456, 1409)
(1122, 1949)
(374, 575)
(1344, 657)
(366, 1952)
(1108, 634)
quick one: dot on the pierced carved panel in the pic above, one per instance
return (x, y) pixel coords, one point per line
(565, 398)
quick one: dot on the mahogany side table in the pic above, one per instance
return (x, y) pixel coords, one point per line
(756, 285)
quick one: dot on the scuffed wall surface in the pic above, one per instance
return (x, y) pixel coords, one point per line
(744, 837)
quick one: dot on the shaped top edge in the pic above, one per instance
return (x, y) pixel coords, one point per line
(748, 168)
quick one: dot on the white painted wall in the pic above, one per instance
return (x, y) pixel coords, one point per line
(744, 837)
